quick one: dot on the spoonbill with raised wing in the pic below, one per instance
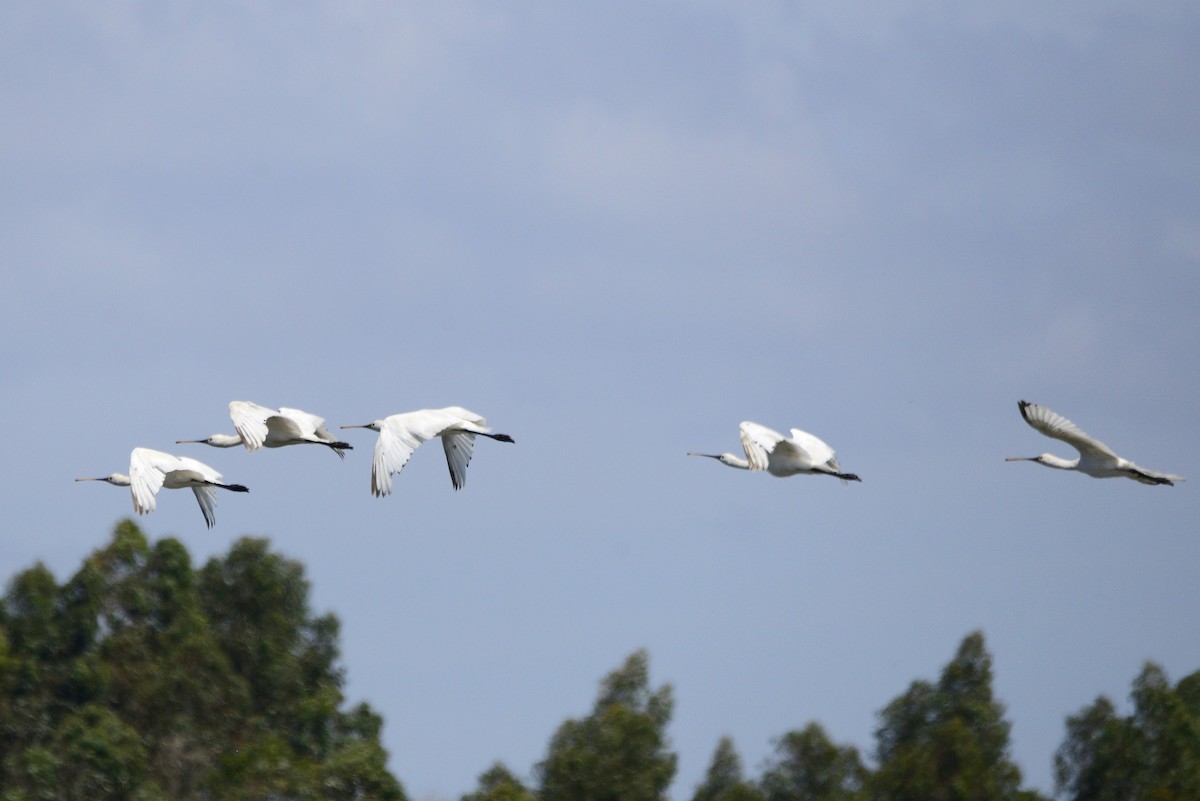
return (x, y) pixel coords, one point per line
(400, 434)
(769, 450)
(151, 470)
(262, 427)
(1095, 458)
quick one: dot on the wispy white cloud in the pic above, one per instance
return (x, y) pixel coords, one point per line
(189, 86)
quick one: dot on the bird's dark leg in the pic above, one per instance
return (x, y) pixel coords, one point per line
(1148, 479)
(338, 447)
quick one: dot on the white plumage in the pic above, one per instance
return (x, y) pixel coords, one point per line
(401, 434)
(1095, 458)
(263, 427)
(767, 449)
(151, 470)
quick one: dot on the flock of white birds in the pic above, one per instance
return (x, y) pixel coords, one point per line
(400, 434)
(262, 427)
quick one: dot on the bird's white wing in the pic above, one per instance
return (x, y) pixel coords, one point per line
(281, 429)
(309, 427)
(193, 469)
(813, 447)
(145, 477)
(323, 433)
(758, 441)
(398, 438)
(207, 498)
(1056, 426)
(250, 421)
(402, 433)
(457, 415)
(306, 423)
(459, 446)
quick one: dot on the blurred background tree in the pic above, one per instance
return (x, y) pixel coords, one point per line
(619, 752)
(808, 766)
(1151, 755)
(498, 783)
(947, 741)
(141, 678)
(724, 781)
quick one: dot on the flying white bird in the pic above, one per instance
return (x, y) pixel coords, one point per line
(151, 470)
(1095, 458)
(400, 434)
(771, 451)
(262, 427)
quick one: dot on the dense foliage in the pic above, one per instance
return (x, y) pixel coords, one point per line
(724, 780)
(1151, 755)
(619, 752)
(141, 678)
(947, 741)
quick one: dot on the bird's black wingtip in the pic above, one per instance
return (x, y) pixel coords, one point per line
(1156, 480)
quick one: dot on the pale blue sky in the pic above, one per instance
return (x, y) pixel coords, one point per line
(617, 231)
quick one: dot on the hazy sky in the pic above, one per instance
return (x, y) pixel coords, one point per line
(617, 230)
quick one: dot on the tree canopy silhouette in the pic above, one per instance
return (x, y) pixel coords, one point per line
(142, 678)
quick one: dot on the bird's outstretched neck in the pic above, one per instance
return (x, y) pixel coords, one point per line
(116, 479)
(216, 440)
(725, 459)
(1047, 459)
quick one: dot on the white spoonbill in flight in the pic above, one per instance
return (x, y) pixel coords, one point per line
(262, 427)
(780, 456)
(400, 434)
(1095, 458)
(151, 470)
